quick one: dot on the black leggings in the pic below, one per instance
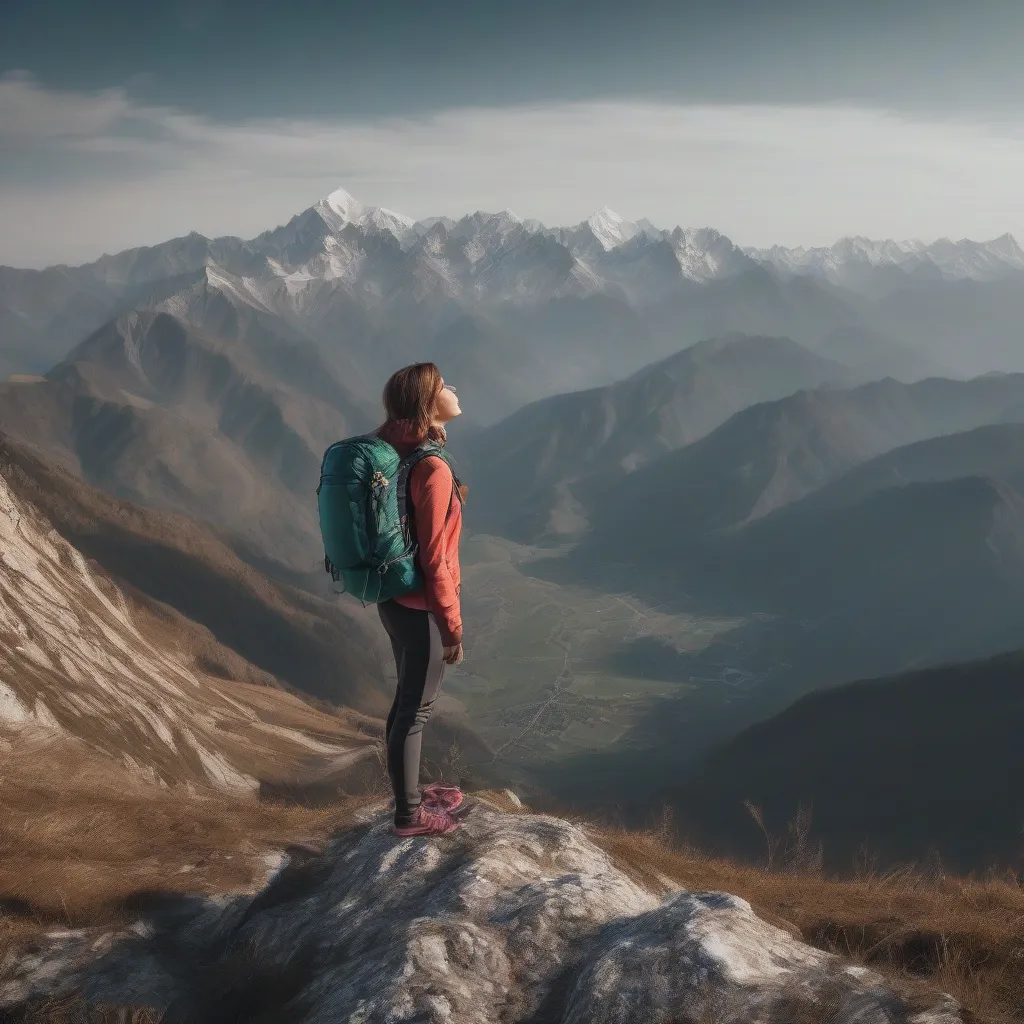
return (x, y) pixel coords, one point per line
(419, 659)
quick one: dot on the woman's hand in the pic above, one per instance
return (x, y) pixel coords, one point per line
(453, 655)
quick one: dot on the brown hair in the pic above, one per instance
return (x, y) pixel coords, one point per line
(411, 394)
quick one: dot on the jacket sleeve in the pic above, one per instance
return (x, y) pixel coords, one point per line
(430, 491)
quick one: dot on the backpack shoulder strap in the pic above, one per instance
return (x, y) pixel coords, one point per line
(405, 467)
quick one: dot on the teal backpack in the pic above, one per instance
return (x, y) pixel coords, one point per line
(364, 517)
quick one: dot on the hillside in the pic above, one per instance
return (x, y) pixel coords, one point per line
(525, 467)
(990, 451)
(150, 409)
(929, 571)
(180, 570)
(904, 765)
(77, 660)
(775, 453)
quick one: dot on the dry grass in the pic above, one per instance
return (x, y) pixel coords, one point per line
(81, 838)
(962, 936)
(74, 1011)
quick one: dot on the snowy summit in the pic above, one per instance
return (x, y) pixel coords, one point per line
(340, 209)
(610, 228)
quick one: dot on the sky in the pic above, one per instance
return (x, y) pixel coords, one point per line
(790, 122)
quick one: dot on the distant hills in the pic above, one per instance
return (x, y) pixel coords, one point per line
(526, 466)
(905, 766)
(152, 409)
(773, 453)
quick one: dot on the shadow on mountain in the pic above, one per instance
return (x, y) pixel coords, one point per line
(905, 766)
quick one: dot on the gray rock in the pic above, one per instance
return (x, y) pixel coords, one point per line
(510, 918)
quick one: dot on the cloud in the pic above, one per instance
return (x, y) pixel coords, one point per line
(29, 112)
(83, 173)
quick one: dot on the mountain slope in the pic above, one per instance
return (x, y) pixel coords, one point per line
(184, 574)
(904, 765)
(525, 467)
(772, 454)
(875, 356)
(150, 409)
(76, 659)
(993, 451)
(929, 571)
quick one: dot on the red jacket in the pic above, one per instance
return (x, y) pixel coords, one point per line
(437, 522)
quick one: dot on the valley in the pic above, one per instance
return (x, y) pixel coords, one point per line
(554, 670)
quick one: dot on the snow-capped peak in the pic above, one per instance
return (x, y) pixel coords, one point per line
(340, 208)
(953, 260)
(610, 229)
(344, 204)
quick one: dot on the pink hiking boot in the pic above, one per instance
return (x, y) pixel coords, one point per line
(439, 797)
(427, 822)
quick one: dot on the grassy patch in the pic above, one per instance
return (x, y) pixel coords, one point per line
(80, 837)
(549, 668)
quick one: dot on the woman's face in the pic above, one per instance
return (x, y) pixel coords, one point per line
(447, 407)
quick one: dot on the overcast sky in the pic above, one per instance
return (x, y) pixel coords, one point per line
(790, 121)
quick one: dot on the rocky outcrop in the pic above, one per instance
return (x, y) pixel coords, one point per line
(512, 918)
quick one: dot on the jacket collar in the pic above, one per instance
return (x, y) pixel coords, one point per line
(402, 435)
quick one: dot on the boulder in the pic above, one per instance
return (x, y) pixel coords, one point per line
(512, 918)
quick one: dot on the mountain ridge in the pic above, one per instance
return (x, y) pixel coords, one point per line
(541, 451)
(937, 736)
(331, 262)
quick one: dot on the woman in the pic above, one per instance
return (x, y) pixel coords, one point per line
(425, 626)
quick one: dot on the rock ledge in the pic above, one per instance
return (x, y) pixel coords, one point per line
(513, 918)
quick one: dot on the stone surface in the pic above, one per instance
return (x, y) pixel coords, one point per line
(512, 918)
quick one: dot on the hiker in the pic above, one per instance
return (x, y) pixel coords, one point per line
(425, 626)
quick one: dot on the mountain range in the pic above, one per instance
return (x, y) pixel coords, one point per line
(526, 466)
(771, 449)
(383, 287)
(771, 454)
(866, 263)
